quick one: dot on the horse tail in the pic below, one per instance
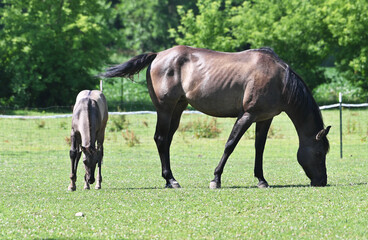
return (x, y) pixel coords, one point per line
(131, 67)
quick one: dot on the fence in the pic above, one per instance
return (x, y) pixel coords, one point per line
(352, 124)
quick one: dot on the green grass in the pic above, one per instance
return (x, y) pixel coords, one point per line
(132, 204)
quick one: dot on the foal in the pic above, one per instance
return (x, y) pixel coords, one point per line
(89, 120)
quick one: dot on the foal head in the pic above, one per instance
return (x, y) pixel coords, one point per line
(312, 157)
(90, 160)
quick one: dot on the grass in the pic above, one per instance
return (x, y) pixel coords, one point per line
(132, 204)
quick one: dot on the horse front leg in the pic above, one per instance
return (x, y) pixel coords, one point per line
(261, 137)
(163, 140)
(241, 125)
(99, 176)
(75, 155)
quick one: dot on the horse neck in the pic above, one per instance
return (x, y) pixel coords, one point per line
(301, 107)
(307, 121)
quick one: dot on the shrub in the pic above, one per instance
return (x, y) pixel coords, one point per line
(130, 138)
(202, 129)
(118, 123)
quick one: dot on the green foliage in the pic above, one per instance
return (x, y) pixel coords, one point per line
(211, 28)
(130, 138)
(202, 128)
(348, 23)
(145, 23)
(50, 48)
(328, 93)
(118, 123)
(303, 33)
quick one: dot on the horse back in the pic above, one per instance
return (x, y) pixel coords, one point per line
(90, 116)
(96, 96)
(218, 83)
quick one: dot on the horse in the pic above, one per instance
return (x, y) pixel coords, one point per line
(89, 121)
(252, 86)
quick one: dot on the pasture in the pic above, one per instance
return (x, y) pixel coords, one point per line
(133, 203)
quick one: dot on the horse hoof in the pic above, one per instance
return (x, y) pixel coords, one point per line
(86, 187)
(215, 185)
(173, 184)
(97, 187)
(263, 184)
(72, 189)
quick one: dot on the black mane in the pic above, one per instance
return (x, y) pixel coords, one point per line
(297, 93)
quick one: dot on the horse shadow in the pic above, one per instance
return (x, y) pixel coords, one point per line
(299, 186)
(248, 187)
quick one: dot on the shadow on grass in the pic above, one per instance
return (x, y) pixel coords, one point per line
(301, 185)
(244, 187)
(272, 186)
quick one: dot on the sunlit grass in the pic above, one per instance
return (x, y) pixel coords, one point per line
(133, 203)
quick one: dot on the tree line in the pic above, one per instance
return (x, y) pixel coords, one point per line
(50, 50)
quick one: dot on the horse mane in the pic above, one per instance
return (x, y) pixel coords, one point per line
(297, 93)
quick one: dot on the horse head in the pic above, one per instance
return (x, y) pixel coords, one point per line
(90, 160)
(312, 157)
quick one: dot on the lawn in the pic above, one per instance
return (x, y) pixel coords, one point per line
(133, 203)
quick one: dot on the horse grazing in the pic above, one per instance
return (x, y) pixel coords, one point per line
(253, 86)
(88, 126)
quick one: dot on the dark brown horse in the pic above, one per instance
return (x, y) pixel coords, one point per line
(253, 86)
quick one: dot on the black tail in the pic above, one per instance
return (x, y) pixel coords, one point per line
(131, 67)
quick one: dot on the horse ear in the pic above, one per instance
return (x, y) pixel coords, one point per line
(323, 133)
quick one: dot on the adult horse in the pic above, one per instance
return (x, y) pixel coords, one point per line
(253, 86)
(88, 127)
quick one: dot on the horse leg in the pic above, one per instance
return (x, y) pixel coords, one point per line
(174, 124)
(167, 123)
(86, 184)
(99, 176)
(175, 119)
(241, 125)
(75, 155)
(261, 137)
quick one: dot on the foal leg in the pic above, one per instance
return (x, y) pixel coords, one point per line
(75, 155)
(86, 183)
(261, 137)
(99, 176)
(241, 125)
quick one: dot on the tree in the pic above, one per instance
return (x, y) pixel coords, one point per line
(50, 48)
(210, 28)
(144, 24)
(294, 29)
(348, 23)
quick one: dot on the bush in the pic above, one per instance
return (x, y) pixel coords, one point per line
(328, 93)
(49, 50)
(202, 129)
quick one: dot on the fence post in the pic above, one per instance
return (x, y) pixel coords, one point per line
(340, 106)
(101, 85)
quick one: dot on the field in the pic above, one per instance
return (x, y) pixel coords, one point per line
(133, 203)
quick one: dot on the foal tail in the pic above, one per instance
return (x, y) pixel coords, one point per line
(131, 67)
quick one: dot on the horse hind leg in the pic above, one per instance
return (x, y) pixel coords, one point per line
(261, 137)
(240, 127)
(167, 124)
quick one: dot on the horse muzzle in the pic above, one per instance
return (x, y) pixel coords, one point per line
(319, 182)
(91, 180)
